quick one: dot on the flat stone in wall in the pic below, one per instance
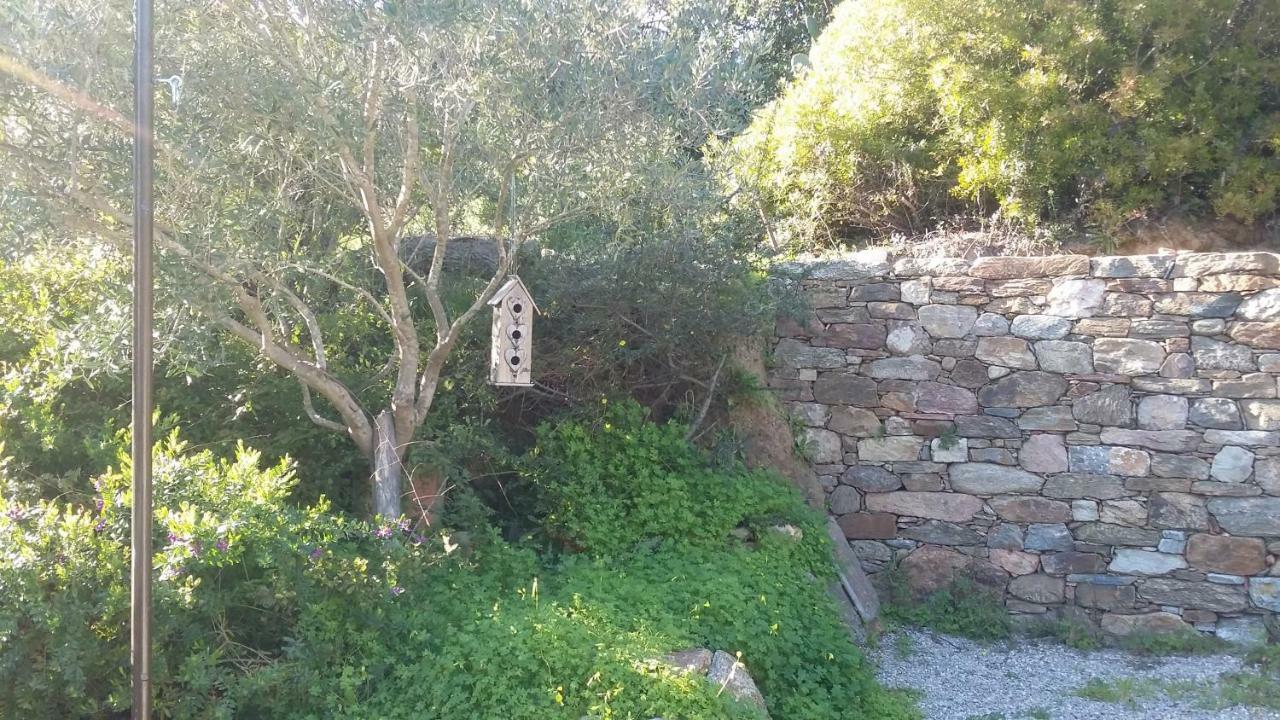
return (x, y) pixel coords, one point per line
(1088, 436)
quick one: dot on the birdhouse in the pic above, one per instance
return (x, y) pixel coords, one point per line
(512, 342)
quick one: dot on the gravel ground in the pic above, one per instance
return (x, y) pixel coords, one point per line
(962, 680)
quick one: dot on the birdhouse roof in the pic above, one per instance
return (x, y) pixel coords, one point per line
(512, 283)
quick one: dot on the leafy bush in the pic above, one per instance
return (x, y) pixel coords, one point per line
(267, 610)
(962, 608)
(915, 110)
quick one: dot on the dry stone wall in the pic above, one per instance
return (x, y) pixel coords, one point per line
(1095, 437)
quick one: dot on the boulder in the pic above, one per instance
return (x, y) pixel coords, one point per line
(930, 568)
(868, 526)
(843, 500)
(730, 675)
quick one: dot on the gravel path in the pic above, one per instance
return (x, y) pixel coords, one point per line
(962, 680)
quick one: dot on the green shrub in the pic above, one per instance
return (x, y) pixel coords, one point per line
(962, 608)
(917, 110)
(267, 610)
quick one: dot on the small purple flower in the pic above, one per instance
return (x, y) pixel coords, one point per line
(102, 525)
(15, 513)
(404, 525)
(384, 533)
(396, 591)
(97, 504)
(417, 539)
(195, 548)
(317, 552)
(174, 538)
(222, 545)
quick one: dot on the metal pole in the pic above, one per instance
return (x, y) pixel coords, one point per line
(143, 310)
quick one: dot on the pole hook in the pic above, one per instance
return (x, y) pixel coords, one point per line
(175, 87)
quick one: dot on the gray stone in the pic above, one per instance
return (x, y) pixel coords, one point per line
(1109, 406)
(860, 265)
(1005, 267)
(730, 675)
(1158, 329)
(824, 447)
(1047, 537)
(1250, 438)
(1090, 459)
(938, 532)
(1051, 417)
(917, 267)
(1167, 465)
(1128, 561)
(907, 339)
(872, 479)
(843, 500)
(1072, 563)
(988, 479)
(932, 397)
(1197, 595)
(1124, 512)
(1095, 487)
(947, 321)
(985, 426)
(1126, 356)
(1210, 326)
(1178, 366)
(1197, 304)
(1107, 534)
(990, 324)
(1179, 511)
(797, 354)
(1265, 593)
(1250, 385)
(956, 451)
(889, 449)
(1152, 266)
(916, 292)
(1043, 454)
(875, 291)
(1007, 351)
(1022, 509)
(1253, 516)
(1248, 631)
(1005, 537)
(952, 507)
(1211, 354)
(1064, 356)
(1037, 588)
(1261, 414)
(1202, 264)
(810, 414)
(1163, 440)
(1040, 327)
(1023, 389)
(1232, 465)
(1262, 306)
(1076, 298)
(845, 389)
(1266, 472)
(853, 421)
(1106, 597)
(1176, 386)
(697, 660)
(1084, 510)
(914, 367)
(1162, 412)
(1217, 413)
(1154, 623)
(871, 550)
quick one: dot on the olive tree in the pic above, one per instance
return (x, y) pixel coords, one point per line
(313, 132)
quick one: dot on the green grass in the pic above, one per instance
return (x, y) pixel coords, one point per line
(1257, 686)
(1187, 642)
(963, 608)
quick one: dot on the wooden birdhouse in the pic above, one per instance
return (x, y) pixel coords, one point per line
(512, 342)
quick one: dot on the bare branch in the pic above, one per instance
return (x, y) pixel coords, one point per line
(310, 409)
(706, 402)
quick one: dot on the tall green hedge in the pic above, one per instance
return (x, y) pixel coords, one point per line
(1100, 111)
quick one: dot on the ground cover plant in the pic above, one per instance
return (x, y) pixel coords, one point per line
(266, 609)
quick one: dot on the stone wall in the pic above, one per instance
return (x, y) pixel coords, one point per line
(1093, 437)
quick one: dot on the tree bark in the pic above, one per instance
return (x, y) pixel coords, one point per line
(386, 468)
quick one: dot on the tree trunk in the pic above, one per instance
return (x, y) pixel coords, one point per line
(386, 468)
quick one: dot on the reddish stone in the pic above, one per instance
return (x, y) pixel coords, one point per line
(869, 526)
(1230, 555)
